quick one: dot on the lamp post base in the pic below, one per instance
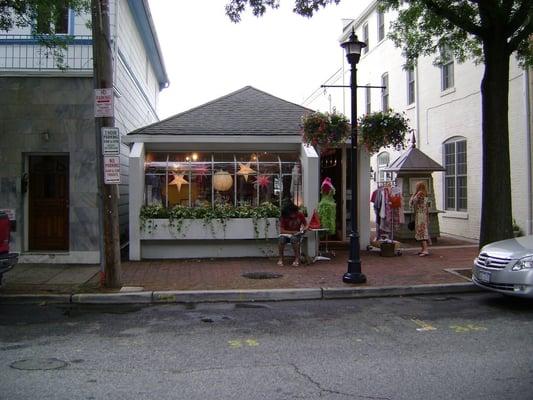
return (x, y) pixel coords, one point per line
(354, 277)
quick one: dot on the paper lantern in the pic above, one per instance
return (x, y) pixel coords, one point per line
(222, 181)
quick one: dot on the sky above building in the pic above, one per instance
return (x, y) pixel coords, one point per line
(282, 53)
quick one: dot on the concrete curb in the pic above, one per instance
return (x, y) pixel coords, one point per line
(384, 291)
(251, 295)
(113, 298)
(35, 298)
(237, 295)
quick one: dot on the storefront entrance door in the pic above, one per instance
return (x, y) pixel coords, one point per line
(48, 195)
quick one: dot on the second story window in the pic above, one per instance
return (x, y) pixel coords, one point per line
(383, 162)
(52, 18)
(368, 100)
(385, 92)
(381, 26)
(446, 69)
(365, 38)
(410, 73)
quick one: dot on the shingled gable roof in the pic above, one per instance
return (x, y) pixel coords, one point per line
(247, 111)
(413, 160)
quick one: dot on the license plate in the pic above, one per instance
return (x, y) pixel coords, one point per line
(483, 276)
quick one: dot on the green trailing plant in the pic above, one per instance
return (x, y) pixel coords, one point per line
(149, 214)
(325, 130)
(177, 215)
(221, 212)
(383, 129)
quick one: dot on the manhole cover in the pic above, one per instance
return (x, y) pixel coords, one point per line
(33, 364)
(262, 275)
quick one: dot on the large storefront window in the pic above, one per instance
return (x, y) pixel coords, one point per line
(197, 179)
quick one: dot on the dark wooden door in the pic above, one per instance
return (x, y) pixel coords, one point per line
(48, 194)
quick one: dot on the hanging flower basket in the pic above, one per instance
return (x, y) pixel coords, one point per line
(383, 129)
(325, 130)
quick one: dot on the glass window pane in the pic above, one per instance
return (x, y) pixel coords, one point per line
(200, 180)
(450, 193)
(461, 193)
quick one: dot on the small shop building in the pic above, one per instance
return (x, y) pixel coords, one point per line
(242, 155)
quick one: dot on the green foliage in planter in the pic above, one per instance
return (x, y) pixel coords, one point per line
(219, 211)
(327, 211)
(383, 129)
(149, 213)
(326, 130)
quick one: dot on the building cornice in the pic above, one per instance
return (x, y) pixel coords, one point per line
(143, 19)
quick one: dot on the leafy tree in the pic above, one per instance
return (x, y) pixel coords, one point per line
(487, 31)
(32, 13)
(44, 18)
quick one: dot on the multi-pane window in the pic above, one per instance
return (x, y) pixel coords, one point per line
(383, 160)
(385, 92)
(52, 18)
(381, 26)
(365, 38)
(455, 190)
(410, 73)
(368, 100)
(446, 69)
(200, 179)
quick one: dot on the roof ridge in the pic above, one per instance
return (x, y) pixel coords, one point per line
(190, 109)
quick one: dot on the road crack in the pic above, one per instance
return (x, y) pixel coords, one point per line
(322, 389)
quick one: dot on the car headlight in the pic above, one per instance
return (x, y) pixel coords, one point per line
(523, 263)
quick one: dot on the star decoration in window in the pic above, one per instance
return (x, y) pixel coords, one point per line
(178, 181)
(263, 181)
(245, 170)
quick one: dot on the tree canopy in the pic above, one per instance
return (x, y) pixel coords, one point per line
(307, 8)
(37, 13)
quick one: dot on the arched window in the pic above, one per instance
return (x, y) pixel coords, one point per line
(383, 160)
(455, 184)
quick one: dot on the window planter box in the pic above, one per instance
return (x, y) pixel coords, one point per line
(197, 229)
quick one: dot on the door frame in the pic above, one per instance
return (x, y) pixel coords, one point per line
(26, 201)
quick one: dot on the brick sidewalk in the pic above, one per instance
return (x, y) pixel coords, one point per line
(225, 274)
(406, 269)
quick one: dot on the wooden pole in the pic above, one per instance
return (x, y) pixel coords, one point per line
(103, 79)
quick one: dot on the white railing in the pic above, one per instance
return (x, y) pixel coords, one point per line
(28, 53)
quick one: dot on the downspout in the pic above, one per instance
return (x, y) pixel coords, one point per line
(417, 106)
(115, 35)
(529, 150)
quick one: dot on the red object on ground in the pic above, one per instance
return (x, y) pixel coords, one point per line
(4, 233)
(314, 223)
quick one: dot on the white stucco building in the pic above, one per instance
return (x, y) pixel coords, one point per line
(48, 154)
(443, 104)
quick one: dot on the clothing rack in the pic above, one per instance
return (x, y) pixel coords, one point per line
(385, 236)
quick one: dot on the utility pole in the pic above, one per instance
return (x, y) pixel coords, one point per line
(108, 192)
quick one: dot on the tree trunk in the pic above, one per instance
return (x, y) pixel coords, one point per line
(496, 207)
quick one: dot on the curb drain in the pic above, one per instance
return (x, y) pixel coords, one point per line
(261, 275)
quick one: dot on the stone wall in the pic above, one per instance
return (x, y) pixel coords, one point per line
(62, 107)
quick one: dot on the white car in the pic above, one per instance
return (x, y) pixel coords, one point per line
(506, 267)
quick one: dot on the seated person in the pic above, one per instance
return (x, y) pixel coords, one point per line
(292, 226)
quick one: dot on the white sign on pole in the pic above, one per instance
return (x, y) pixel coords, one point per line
(103, 103)
(111, 170)
(110, 142)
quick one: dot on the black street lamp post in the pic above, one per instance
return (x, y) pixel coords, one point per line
(353, 49)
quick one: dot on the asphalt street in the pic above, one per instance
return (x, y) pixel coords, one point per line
(471, 346)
